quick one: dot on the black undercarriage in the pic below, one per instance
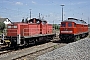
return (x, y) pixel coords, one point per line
(72, 37)
(24, 41)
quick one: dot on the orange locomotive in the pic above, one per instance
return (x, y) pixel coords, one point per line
(73, 29)
(35, 30)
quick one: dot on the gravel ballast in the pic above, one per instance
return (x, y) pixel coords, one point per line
(79, 50)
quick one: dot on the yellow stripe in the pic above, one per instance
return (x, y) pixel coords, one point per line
(6, 41)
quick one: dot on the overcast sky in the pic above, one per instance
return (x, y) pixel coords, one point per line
(15, 10)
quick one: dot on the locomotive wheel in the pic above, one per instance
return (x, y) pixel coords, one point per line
(63, 40)
(52, 37)
(36, 41)
(8, 44)
(13, 43)
(76, 38)
(33, 42)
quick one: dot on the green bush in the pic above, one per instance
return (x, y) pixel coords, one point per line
(2, 27)
(56, 26)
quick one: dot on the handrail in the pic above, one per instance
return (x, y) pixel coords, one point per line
(32, 31)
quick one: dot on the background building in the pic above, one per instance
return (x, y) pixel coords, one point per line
(5, 20)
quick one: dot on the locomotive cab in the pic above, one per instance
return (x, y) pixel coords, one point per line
(67, 30)
(67, 27)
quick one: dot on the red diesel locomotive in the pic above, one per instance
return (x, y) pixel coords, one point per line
(36, 30)
(73, 29)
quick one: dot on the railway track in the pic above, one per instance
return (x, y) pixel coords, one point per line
(3, 52)
(33, 55)
(18, 54)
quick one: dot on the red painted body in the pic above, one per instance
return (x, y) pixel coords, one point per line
(28, 29)
(77, 29)
(16, 28)
(30, 32)
(72, 28)
(49, 29)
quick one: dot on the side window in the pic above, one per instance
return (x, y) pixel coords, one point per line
(69, 24)
(63, 25)
(9, 26)
(14, 26)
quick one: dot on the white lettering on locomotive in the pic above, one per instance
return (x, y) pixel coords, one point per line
(66, 31)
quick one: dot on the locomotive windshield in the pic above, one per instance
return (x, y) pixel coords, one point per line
(69, 24)
(63, 25)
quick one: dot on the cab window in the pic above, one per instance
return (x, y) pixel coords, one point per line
(69, 24)
(9, 26)
(63, 25)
